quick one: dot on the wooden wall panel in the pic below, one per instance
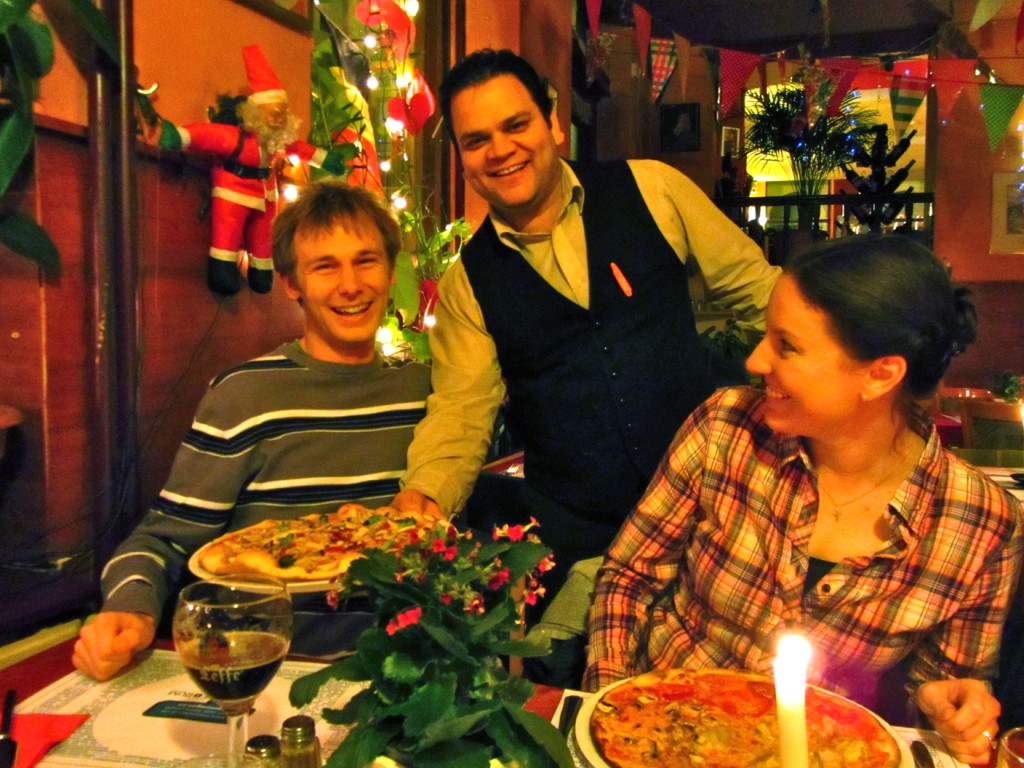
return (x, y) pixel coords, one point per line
(1000, 344)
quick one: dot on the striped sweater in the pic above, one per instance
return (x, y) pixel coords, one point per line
(281, 436)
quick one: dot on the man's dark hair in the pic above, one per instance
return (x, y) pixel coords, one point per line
(486, 64)
(323, 205)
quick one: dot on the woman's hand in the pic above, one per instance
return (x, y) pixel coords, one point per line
(965, 714)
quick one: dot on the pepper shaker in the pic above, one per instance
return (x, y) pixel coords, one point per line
(265, 749)
(300, 747)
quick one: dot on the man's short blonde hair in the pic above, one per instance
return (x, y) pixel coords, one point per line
(324, 205)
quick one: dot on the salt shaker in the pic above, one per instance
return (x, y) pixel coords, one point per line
(300, 747)
(265, 749)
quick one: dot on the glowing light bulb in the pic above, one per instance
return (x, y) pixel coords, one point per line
(370, 41)
(385, 165)
(294, 159)
(402, 81)
(385, 336)
(372, 83)
(391, 125)
(289, 192)
(399, 202)
(429, 321)
(412, 7)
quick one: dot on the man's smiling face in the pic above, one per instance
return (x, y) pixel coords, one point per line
(508, 152)
(343, 280)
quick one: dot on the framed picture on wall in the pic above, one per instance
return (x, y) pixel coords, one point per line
(1007, 213)
(730, 141)
(680, 128)
(291, 13)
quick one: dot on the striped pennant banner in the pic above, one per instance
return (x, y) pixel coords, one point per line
(906, 95)
(663, 64)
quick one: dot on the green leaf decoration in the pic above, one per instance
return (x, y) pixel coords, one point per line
(17, 129)
(98, 27)
(12, 11)
(31, 45)
(543, 733)
(359, 709)
(452, 728)
(456, 754)
(25, 237)
(530, 647)
(426, 705)
(405, 293)
(401, 668)
(362, 746)
(447, 640)
(304, 689)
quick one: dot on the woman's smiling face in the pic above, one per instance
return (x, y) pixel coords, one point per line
(813, 385)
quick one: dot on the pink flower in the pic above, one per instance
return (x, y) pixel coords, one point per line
(437, 545)
(451, 552)
(446, 599)
(404, 619)
(515, 533)
(546, 564)
(476, 605)
(499, 579)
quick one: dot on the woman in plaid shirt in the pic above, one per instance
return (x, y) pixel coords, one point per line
(825, 504)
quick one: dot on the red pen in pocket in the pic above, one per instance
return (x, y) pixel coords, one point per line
(620, 278)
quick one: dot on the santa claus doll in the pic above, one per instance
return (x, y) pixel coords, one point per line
(245, 179)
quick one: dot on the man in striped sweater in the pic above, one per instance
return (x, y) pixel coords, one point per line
(318, 422)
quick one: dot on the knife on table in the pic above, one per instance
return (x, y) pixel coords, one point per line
(8, 746)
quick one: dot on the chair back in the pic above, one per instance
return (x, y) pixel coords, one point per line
(991, 424)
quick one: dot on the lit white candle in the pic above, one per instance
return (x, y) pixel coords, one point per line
(790, 684)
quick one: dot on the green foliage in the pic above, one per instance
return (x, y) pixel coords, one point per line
(26, 56)
(439, 694)
(1008, 386)
(779, 128)
(729, 340)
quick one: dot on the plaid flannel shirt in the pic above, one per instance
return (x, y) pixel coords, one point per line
(710, 566)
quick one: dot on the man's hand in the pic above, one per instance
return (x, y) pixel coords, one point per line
(965, 714)
(109, 642)
(414, 502)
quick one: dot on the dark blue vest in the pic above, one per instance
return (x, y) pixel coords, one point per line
(596, 395)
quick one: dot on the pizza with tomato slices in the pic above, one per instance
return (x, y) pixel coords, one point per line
(311, 548)
(718, 718)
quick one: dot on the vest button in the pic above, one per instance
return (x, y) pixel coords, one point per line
(597, 323)
(605, 349)
(615, 374)
(622, 401)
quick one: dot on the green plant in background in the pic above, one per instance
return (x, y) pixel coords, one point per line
(781, 126)
(347, 111)
(439, 695)
(730, 340)
(26, 56)
(1008, 386)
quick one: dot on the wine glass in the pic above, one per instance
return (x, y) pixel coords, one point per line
(232, 633)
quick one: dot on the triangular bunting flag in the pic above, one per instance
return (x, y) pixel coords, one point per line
(643, 34)
(949, 76)
(998, 103)
(663, 63)
(842, 72)
(985, 10)
(906, 95)
(735, 68)
(594, 17)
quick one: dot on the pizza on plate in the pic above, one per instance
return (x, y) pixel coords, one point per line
(311, 548)
(718, 718)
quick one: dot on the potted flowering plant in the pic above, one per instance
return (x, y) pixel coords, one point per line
(439, 694)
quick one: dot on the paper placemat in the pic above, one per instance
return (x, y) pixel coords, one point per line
(153, 716)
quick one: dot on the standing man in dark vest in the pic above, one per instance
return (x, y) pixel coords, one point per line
(573, 295)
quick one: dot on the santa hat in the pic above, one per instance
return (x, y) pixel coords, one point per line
(266, 88)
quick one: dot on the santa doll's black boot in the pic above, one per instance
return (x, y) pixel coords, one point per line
(223, 277)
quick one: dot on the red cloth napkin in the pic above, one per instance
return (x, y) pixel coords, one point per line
(37, 733)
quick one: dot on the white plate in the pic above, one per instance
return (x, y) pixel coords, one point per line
(294, 587)
(589, 752)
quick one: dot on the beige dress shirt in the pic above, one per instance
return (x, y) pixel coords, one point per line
(451, 442)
